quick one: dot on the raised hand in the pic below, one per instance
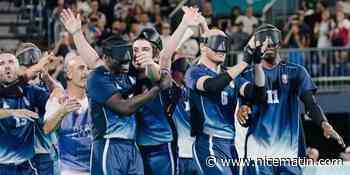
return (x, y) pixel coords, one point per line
(329, 132)
(143, 60)
(24, 113)
(253, 51)
(71, 22)
(191, 16)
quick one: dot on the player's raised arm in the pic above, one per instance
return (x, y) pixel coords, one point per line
(190, 18)
(73, 25)
(306, 94)
(162, 71)
(217, 42)
(254, 92)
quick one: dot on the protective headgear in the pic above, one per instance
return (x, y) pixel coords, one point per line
(217, 43)
(152, 36)
(28, 54)
(118, 49)
(269, 32)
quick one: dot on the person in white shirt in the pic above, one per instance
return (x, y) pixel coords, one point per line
(248, 20)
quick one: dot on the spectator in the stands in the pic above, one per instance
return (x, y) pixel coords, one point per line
(58, 9)
(312, 16)
(65, 45)
(58, 27)
(94, 30)
(345, 5)
(158, 22)
(295, 39)
(340, 34)
(248, 20)
(84, 7)
(144, 21)
(238, 37)
(207, 12)
(121, 9)
(118, 28)
(146, 4)
(97, 14)
(322, 34)
(236, 12)
(134, 30)
(322, 30)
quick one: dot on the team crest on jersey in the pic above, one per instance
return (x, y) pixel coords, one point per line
(284, 78)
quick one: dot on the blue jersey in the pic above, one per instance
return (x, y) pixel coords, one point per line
(101, 85)
(276, 129)
(215, 111)
(181, 117)
(17, 134)
(43, 143)
(74, 140)
(153, 123)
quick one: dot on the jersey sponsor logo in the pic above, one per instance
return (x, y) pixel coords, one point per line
(272, 97)
(284, 78)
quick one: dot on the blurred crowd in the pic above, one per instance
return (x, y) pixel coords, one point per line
(318, 24)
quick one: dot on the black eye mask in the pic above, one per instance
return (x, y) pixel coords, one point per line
(29, 57)
(121, 54)
(216, 43)
(273, 35)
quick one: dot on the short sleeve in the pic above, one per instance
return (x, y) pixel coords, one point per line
(240, 82)
(52, 106)
(305, 82)
(100, 87)
(192, 75)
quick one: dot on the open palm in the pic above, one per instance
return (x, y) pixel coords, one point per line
(71, 22)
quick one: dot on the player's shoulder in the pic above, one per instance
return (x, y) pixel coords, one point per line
(99, 73)
(292, 67)
(29, 88)
(194, 67)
